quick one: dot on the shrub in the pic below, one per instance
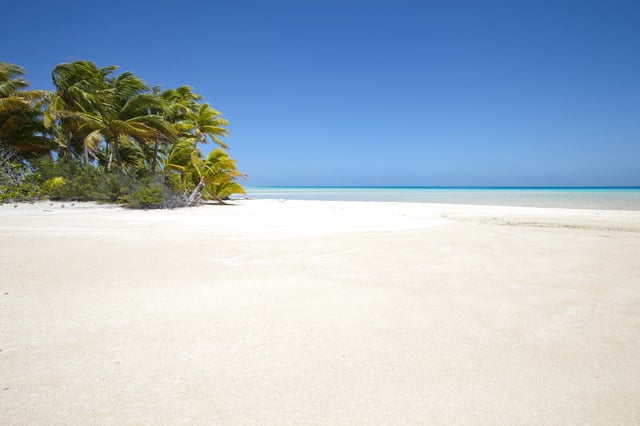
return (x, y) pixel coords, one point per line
(64, 179)
(18, 182)
(55, 187)
(69, 180)
(146, 196)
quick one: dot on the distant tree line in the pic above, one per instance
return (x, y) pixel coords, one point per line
(108, 137)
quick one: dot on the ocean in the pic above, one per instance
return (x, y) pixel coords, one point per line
(627, 198)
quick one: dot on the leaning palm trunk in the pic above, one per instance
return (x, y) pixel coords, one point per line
(220, 200)
(196, 191)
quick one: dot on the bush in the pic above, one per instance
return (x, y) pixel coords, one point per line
(152, 193)
(18, 183)
(23, 191)
(146, 196)
(64, 179)
(68, 180)
(55, 187)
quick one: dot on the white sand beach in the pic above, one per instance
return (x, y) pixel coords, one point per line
(314, 312)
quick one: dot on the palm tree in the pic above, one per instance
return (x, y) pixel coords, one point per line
(92, 109)
(78, 86)
(177, 104)
(178, 166)
(108, 119)
(11, 82)
(207, 122)
(20, 114)
(213, 177)
(218, 175)
(127, 113)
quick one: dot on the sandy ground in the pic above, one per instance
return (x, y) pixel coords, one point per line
(303, 312)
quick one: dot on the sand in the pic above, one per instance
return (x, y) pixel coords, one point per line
(303, 312)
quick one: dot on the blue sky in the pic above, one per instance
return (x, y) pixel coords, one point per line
(377, 92)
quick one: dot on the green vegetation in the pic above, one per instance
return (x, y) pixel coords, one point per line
(102, 136)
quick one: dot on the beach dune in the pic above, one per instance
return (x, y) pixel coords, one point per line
(317, 312)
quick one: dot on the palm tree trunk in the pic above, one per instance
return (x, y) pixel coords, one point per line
(195, 192)
(85, 155)
(116, 150)
(107, 156)
(220, 200)
(154, 161)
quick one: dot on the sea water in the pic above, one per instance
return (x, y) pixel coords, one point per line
(627, 198)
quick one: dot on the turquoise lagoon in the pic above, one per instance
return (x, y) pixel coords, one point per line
(607, 198)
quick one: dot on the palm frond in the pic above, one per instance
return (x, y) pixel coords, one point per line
(13, 103)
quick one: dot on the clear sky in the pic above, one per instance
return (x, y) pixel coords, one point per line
(355, 92)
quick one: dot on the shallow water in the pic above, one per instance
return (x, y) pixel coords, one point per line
(577, 198)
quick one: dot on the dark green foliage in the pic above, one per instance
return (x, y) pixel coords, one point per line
(66, 179)
(146, 196)
(16, 185)
(18, 182)
(151, 193)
